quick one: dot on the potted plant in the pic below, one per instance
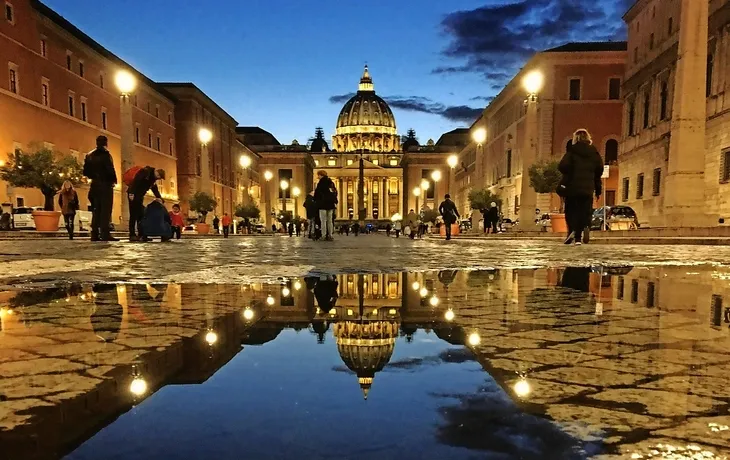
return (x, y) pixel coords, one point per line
(248, 211)
(46, 171)
(481, 199)
(545, 178)
(202, 203)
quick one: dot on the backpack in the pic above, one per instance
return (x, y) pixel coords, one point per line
(129, 175)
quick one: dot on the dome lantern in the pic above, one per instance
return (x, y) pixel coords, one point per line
(366, 82)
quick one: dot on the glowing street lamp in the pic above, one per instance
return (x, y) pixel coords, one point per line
(126, 84)
(270, 300)
(533, 82)
(284, 186)
(245, 161)
(296, 191)
(452, 161)
(268, 175)
(479, 136)
(436, 175)
(205, 136)
(425, 185)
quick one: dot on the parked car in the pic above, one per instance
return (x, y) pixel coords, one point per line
(615, 214)
(23, 217)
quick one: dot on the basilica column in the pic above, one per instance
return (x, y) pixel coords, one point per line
(343, 198)
(401, 197)
(370, 199)
(384, 211)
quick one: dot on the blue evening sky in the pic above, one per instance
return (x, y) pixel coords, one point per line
(276, 63)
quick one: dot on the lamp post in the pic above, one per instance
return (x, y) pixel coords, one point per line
(452, 161)
(417, 193)
(436, 177)
(296, 191)
(204, 136)
(284, 185)
(245, 162)
(532, 83)
(479, 136)
(126, 83)
(268, 175)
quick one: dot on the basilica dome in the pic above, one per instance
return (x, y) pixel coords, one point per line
(366, 121)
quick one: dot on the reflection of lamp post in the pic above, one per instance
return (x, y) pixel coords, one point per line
(126, 83)
(284, 185)
(296, 191)
(532, 83)
(268, 175)
(479, 136)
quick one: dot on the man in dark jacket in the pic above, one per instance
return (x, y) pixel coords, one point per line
(325, 195)
(144, 181)
(450, 214)
(99, 168)
(311, 206)
(582, 167)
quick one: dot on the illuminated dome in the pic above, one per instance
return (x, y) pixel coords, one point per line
(366, 121)
(366, 348)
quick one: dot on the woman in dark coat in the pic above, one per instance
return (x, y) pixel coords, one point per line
(68, 200)
(582, 167)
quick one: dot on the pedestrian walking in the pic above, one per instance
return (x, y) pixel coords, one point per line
(144, 180)
(68, 201)
(449, 213)
(356, 228)
(99, 168)
(176, 221)
(325, 195)
(299, 229)
(226, 222)
(581, 168)
(216, 222)
(310, 205)
(411, 223)
(398, 227)
(491, 219)
(290, 228)
(388, 229)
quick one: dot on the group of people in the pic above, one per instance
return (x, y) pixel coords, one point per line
(320, 206)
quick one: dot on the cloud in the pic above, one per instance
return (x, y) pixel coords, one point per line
(459, 113)
(496, 40)
(482, 98)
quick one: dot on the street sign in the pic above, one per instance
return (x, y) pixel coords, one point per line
(606, 172)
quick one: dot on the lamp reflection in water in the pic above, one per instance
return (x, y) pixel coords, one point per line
(423, 292)
(297, 285)
(248, 314)
(474, 339)
(270, 300)
(211, 337)
(416, 286)
(138, 387)
(285, 292)
(449, 315)
(434, 301)
(522, 387)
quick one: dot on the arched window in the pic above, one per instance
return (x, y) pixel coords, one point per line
(611, 151)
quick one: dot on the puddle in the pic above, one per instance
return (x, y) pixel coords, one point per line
(627, 362)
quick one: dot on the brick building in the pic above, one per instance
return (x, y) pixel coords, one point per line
(582, 89)
(58, 92)
(675, 152)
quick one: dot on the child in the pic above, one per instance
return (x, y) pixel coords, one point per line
(177, 221)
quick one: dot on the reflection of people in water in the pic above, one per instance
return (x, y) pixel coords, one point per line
(326, 292)
(145, 300)
(106, 320)
(447, 276)
(320, 327)
(576, 278)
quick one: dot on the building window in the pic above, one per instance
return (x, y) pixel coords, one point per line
(44, 92)
(574, 89)
(157, 111)
(349, 162)
(620, 288)
(625, 190)
(663, 96)
(101, 80)
(13, 79)
(169, 118)
(376, 162)
(19, 202)
(634, 291)
(640, 186)
(103, 119)
(670, 26)
(159, 144)
(81, 69)
(509, 163)
(611, 152)
(614, 89)
(68, 60)
(710, 67)
(610, 197)
(44, 47)
(647, 107)
(650, 294)
(83, 108)
(169, 145)
(316, 162)
(148, 107)
(71, 104)
(136, 134)
(393, 162)
(149, 140)
(331, 162)
(656, 182)
(632, 117)
(725, 166)
(9, 13)
(651, 41)
(636, 55)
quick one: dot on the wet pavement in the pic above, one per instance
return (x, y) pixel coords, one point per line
(534, 363)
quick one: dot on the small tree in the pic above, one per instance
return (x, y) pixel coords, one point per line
(482, 199)
(202, 203)
(430, 215)
(44, 170)
(248, 211)
(545, 176)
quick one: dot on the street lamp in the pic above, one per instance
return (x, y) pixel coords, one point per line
(126, 84)
(436, 175)
(296, 191)
(284, 185)
(245, 162)
(479, 136)
(204, 136)
(452, 161)
(268, 175)
(532, 83)
(417, 193)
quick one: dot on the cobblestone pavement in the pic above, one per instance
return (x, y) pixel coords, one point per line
(261, 258)
(631, 363)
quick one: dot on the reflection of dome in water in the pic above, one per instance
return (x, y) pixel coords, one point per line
(366, 348)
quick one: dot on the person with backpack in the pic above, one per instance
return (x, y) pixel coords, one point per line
(450, 214)
(325, 195)
(68, 200)
(99, 168)
(311, 206)
(145, 179)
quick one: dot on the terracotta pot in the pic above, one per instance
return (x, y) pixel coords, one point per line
(46, 221)
(202, 229)
(454, 230)
(558, 224)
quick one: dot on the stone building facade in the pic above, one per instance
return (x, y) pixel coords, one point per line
(675, 152)
(58, 92)
(582, 89)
